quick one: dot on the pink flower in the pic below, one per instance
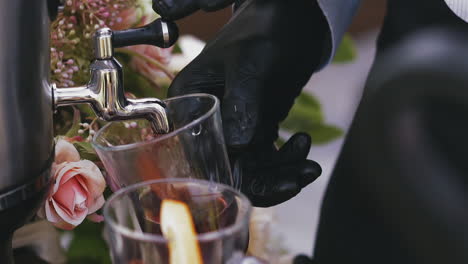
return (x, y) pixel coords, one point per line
(77, 190)
(147, 69)
(126, 19)
(65, 152)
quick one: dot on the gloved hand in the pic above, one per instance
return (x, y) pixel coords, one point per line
(302, 259)
(257, 65)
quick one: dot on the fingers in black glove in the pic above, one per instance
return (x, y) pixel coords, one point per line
(271, 178)
(303, 259)
(296, 150)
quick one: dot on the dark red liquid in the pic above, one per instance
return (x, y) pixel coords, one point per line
(211, 212)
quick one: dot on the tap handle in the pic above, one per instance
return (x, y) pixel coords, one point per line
(158, 33)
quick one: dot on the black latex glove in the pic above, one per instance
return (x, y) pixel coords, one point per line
(302, 259)
(257, 65)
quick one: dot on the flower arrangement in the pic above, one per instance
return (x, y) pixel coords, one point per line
(79, 188)
(79, 184)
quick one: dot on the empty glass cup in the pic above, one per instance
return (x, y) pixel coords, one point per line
(220, 214)
(194, 149)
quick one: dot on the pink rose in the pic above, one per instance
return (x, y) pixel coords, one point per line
(65, 152)
(77, 190)
(150, 71)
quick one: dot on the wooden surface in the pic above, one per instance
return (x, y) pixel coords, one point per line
(205, 25)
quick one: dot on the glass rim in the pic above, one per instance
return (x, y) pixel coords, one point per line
(147, 237)
(163, 137)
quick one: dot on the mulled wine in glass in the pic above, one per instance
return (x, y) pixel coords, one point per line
(220, 215)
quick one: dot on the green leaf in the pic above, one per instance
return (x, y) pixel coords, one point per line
(86, 151)
(309, 100)
(177, 49)
(323, 134)
(306, 116)
(347, 51)
(305, 113)
(302, 119)
(88, 245)
(86, 111)
(76, 124)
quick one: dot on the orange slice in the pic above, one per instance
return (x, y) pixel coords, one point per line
(177, 227)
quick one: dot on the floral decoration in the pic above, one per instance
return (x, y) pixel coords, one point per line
(77, 191)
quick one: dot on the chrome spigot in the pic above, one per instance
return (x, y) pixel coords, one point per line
(105, 92)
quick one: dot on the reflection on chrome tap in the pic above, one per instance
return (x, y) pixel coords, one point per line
(105, 91)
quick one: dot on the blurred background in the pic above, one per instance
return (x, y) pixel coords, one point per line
(205, 25)
(339, 98)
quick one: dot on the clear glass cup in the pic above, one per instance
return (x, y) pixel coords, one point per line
(194, 149)
(220, 214)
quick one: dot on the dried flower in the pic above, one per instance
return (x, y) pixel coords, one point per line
(74, 27)
(71, 35)
(94, 14)
(63, 69)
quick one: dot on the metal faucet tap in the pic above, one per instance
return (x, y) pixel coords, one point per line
(105, 92)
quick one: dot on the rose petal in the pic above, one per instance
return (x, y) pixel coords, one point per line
(65, 151)
(51, 214)
(96, 204)
(75, 219)
(70, 195)
(80, 194)
(66, 199)
(150, 71)
(55, 219)
(92, 176)
(59, 172)
(63, 215)
(69, 174)
(95, 218)
(83, 184)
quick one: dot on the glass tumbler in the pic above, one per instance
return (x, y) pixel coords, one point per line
(220, 215)
(194, 149)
